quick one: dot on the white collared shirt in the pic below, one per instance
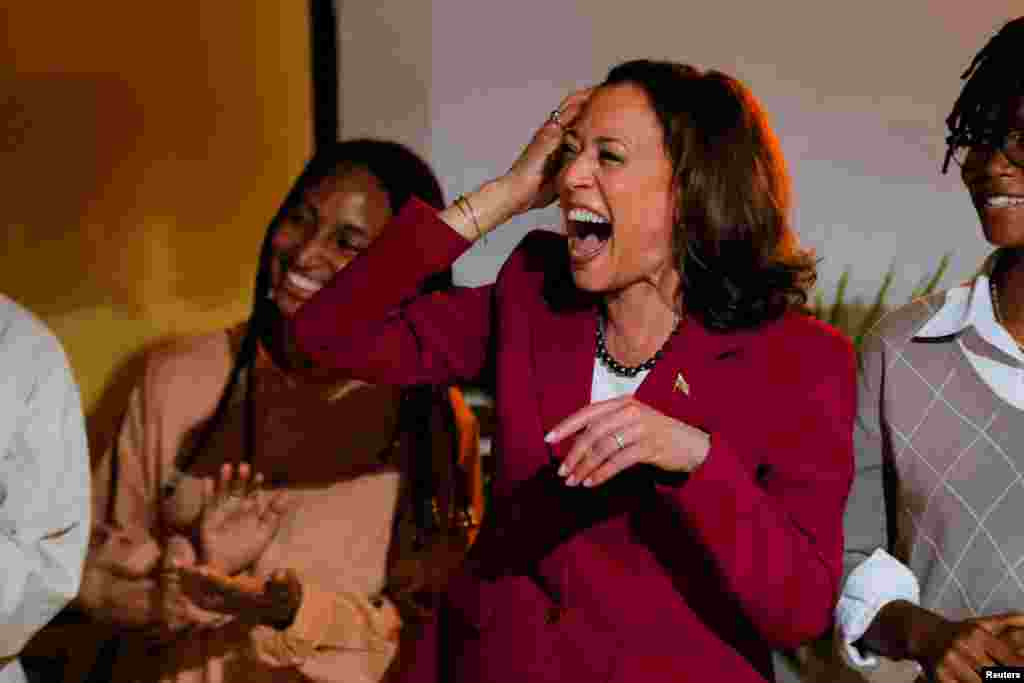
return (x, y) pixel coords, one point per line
(971, 305)
(881, 578)
(44, 482)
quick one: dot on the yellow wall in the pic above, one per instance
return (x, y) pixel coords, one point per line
(144, 149)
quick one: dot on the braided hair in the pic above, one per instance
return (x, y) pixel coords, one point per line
(402, 174)
(994, 78)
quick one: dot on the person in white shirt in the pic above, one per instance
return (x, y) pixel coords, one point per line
(934, 549)
(44, 483)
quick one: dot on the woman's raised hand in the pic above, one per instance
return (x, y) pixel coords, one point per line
(531, 178)
(239, 518)
(529, 184)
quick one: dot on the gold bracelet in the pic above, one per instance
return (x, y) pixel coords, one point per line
(471, 214)
(467, 213)
(462, 210)
(458, 206)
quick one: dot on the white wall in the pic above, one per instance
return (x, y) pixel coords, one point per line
(857, 92)
(384, 70)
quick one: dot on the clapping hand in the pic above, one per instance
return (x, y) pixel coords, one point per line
(239, 519)
(273, 600)
(179, 611)
(126, 553)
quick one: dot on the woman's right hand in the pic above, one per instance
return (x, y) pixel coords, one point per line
(531, 178)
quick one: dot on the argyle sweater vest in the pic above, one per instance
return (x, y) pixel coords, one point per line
(952, 452)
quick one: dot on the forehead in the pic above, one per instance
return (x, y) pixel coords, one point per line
(622, 111)
(354, 188)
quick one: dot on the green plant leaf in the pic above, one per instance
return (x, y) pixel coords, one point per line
(819, 305)
(877, 309)
(838, 310)
(842, 314)
(936, 277)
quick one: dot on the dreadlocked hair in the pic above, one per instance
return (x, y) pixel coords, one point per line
(402, 174)
(993, 78)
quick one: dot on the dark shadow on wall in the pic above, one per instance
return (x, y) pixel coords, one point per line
(323, 32)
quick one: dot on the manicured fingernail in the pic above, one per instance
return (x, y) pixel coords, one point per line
(563, 470)
(549, 437)
(571, 481)
(588, 483)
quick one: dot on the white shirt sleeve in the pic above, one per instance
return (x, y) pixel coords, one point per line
(876, 581)
(44, 482)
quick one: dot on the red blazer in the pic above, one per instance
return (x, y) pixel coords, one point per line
(649, 577)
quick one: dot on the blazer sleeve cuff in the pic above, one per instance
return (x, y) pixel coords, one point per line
(415, 245)
(418, 229)
(717, 484)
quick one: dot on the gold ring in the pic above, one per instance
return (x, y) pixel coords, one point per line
(618, 440)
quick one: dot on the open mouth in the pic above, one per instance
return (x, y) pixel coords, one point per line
(588, 233)
(302, 283)
(1001, 201)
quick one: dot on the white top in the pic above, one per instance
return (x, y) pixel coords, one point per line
(606, 384)
(44, 482)
(881, 578)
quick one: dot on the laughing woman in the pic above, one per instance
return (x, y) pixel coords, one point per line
(674, 435)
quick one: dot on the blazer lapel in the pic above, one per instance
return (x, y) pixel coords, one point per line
(563, 355)
(688, 379)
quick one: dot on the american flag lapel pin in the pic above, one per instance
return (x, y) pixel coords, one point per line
(681, 384)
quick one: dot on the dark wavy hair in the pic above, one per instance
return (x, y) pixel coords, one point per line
(737, 254)
(402, 174)
(994, 79)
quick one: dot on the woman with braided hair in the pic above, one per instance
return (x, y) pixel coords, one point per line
(936, 577)
(240, 463)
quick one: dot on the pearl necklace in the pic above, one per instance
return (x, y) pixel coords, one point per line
(629, 370)
(993, 292)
